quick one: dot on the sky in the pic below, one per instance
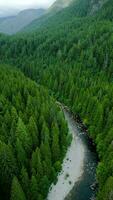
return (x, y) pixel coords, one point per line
(9, 7)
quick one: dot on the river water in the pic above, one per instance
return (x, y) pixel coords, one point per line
(78, 176)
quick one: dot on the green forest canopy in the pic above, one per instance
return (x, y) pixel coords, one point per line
(33, 137)
(72, 56)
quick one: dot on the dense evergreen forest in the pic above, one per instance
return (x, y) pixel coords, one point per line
(71, 54)
(33, 137)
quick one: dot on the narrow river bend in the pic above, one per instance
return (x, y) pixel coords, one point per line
(77, 179)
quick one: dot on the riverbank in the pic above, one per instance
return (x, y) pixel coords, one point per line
(72, 167)
(77, 180)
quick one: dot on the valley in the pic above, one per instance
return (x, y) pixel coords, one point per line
(78, 175)
(64, 55)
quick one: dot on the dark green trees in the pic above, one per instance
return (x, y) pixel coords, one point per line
(55, 143)
(8, 167)
(29, 137)
(73, 57)
(34, 189)
(16, 190)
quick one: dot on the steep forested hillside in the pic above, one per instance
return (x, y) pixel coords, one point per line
(77, 8)
(33, 138)
(72, 55)
(59, 5)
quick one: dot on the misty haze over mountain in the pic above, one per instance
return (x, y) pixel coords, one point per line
(14, 20)
(5, 12)
(12, 7)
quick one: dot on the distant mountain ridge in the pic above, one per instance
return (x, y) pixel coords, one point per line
(32, 19)
(57, 6)
(12, 25)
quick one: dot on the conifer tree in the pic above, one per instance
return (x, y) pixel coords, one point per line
(55, 143)
(33, 132)
(16, 190)
(8, 167)
(22, 134)
(34, 189)
(20, 153)
(25, 182)
(37, 164)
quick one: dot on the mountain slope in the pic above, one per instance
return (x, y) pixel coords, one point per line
(59, 5)
(72, 55)
(75, 8)
(33, 137)
(14, 24)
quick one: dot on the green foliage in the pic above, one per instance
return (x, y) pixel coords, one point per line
(107, 192)
(27, 134)
(8, 167)
(71, 55)
(16, 190)
(55, 143)
(34, 188)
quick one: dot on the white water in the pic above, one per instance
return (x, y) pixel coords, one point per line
(72, 167)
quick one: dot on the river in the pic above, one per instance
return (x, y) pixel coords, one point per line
(77, 179)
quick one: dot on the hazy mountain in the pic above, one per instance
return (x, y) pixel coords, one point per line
(6, 11)
(11, 25)
(6, 18)
(59, 4)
